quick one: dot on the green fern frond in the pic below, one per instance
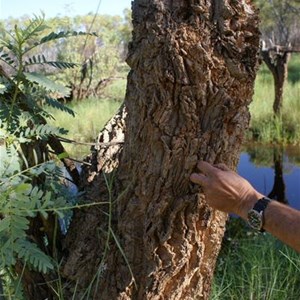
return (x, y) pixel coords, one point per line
(48, 84)
(3, 88)
(57, 105)
(30, 253)
(26, 251)
(42, 131)
(28, 191)
(62, 64)
(7, 43)
(35, 26)
(63, 34)
(4, 85)
(6, 112)
(6, 58)
(41, 60)
(20, 201)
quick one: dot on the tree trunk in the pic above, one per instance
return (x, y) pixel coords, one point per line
(277, 62)
(193, 66)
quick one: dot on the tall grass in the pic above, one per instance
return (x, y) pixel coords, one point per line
(255, 266)
(91, 116)
(286, 128)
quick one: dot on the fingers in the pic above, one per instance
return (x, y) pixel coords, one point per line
(199, 179)
(208, 171)
(206, 167)
(222, 167)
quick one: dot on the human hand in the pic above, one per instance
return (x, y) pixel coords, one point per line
(224, 189)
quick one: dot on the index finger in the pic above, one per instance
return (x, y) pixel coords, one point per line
(206, 167)
(199, 179)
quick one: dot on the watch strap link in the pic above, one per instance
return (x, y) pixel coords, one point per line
(261, 204)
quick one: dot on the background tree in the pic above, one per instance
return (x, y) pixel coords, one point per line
(193, 67)
(101, 58)
(126, 31)
(280, 37)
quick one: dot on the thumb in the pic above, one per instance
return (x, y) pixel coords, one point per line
(199, 179)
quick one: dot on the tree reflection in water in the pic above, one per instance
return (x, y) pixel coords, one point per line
(278, 191)
(273, 171)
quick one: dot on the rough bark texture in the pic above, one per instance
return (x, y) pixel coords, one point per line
(193, 66)
(277, 63)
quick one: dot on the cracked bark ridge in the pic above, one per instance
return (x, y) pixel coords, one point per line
(193, 65)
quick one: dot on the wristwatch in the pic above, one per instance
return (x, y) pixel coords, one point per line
(256, 214)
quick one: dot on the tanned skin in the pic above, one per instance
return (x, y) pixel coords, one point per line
(225, 190)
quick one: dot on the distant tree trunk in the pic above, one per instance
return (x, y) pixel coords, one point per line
(277, 62)
(193, 66)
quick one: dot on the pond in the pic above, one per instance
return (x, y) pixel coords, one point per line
(273, 171)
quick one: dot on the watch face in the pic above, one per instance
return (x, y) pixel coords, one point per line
(255, 219)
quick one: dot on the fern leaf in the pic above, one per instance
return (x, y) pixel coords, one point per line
(36, 25)
(62, 64)
(47, 83)
(3, 88)
(41, 60)
(56, 104)
(63, 34)
(4, 224)
(30, 253)
(5, 57)
(43, 131)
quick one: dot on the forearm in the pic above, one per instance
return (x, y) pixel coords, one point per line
(283, 222)
(280, 220)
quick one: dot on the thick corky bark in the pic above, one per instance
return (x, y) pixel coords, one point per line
(193, 66)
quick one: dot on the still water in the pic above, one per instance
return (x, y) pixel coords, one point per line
(274, 172)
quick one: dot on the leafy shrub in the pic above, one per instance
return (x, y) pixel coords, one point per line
(31, 194)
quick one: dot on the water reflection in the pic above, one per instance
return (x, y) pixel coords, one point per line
(278, 191)
(274, 171)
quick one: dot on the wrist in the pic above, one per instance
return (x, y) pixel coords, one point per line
(248, 202)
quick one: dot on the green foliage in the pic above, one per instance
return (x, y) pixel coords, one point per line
(100, 57)
(63, 34)
(280, 19)
(20, 201)
(42, 131)
(30, 183)
(100, 50)
(24, 91)
(41, 60)
(58, 106)
(46, 83)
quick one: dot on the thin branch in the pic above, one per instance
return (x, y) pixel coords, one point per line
(65, 140)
